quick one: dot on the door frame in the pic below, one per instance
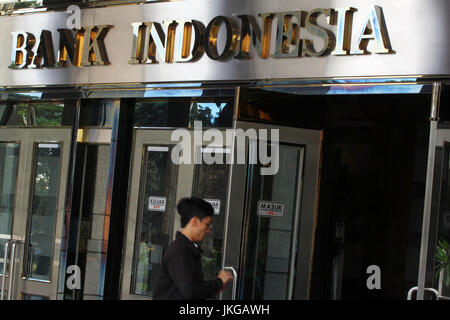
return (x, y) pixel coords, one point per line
(308, 204)
(185, 175)
(28, 138)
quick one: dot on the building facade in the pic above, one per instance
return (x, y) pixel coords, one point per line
(318, 130)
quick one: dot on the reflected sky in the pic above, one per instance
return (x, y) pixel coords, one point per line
(214, 107)
(173, 93)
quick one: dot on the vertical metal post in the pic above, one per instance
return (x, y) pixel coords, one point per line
(434, 118)
(68, 203)
(109, 194)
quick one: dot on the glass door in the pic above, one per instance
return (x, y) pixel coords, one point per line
(436, 274)
(264, 194)
(164, 170)
(272, 212)
(33, 177)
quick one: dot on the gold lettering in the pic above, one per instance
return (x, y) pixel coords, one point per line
(23, 42)
(189, 34)
(288, 34)
(313, 28)
(93, 47)
(158, 43)
(343, 18)
(69, 47)
(374, 29)
(44, 53)
(138, 47)
(251, 34)
(211, 38)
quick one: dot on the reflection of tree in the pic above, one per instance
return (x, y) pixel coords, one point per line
(44, 167)
(151, 114)
(39, 114)
(203, 114)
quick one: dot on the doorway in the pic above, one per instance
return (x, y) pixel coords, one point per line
(251, 210)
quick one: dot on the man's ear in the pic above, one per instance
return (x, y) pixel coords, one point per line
(195, 221)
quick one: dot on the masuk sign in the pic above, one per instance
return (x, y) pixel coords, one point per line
(182, 40)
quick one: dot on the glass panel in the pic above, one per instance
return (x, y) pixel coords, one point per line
(9, 158)
(173, 112)
(3, 113)
(211, 183)
(42, 114)
(155, 218)
(269, 261)
(441, 256)
(32, 297)
(182, 112)
(212, 113)
(42, 219)
(97, 113)
(87, 218)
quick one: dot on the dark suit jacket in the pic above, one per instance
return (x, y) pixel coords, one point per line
(181, 275)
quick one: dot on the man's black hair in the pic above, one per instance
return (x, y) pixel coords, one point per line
(193, 207)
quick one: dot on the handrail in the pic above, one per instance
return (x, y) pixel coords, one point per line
(2, 294)
(11, 268)
(12, 257)
(234, 288)
(434, 291)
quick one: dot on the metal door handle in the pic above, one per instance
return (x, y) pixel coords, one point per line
(234, 288)
(410, 292)
(12, 258)
(5, 259)
(11, 269)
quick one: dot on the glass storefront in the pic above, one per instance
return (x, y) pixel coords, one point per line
(369, 146)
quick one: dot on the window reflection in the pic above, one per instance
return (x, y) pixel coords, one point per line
(210, 183)
(154, 227)
(43, 211)
(268, 271)
(183, 112)
(9, 158)
(36, 114)
(21, 4)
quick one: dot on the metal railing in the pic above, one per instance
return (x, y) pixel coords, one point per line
(9, 272)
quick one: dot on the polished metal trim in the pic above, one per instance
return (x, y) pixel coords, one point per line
(428, 191)
(10, 8)
(109, 192)
(297, 217)
(348, 87)
(68, 202)
(94, 135)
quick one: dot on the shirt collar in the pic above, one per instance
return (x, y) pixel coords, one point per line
(189, 243)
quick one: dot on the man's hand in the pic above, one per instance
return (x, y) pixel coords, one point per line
(226, 277)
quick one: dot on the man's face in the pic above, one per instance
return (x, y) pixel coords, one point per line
(202, 228)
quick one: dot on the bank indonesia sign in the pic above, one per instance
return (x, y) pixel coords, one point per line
(201, 40)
